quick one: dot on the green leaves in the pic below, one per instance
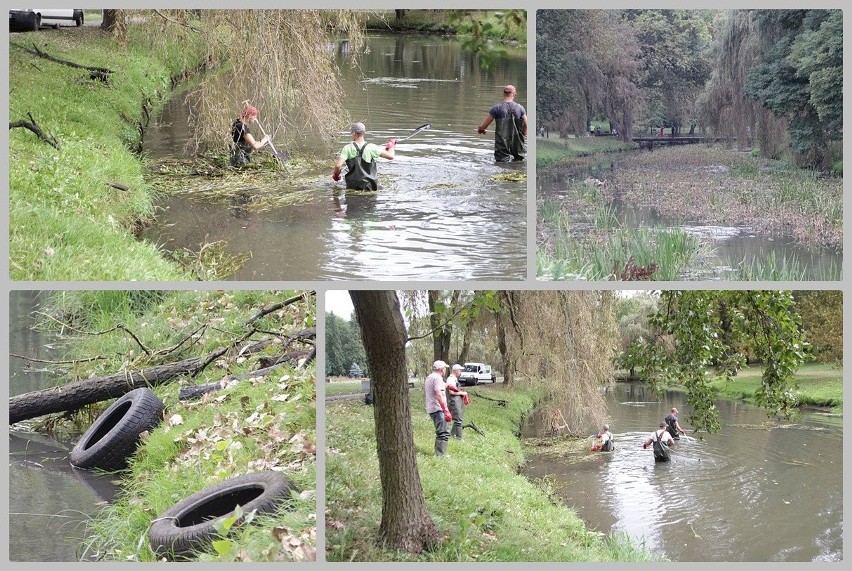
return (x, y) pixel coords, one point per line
(700, 334)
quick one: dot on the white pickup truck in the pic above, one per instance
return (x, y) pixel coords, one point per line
(475, 373)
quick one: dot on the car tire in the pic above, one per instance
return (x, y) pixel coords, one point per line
(190, 525)
(114, 436)
(78, 18)
(34, 24)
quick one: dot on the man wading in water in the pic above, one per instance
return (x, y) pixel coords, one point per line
(244, 141)
(359, 156)
(510, 132)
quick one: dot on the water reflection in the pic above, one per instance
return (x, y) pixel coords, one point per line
(759, 490)
(444, 209)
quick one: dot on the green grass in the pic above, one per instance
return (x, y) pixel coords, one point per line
(267, 423)
(489, 513)
(336, 388)
(552, 152)
(818, 385)
(603, 252)
(442, 22)
(65, 220)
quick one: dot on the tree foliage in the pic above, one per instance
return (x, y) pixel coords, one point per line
(343, 346)
(822, 323)
(281, 61)
(701, 334)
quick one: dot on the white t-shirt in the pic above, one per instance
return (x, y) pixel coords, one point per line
(664, 438)
(453, 381)
(432, 383)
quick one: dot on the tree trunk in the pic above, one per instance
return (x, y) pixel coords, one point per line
(501, 339)
(406, 525)
(115, 21)
(89, 391)
(443, 335)
(81, 393)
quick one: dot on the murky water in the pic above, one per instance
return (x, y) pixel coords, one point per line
(731, 245)
(49, 501)
(757, 491)
(440, 213)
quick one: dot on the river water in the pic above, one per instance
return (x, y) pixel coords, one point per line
(759, 490)
(49, 501)
(731, 245)
(439, 214)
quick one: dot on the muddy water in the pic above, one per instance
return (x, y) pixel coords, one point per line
(439, 212)
(757, 491)
(49, 501)
(731, 245)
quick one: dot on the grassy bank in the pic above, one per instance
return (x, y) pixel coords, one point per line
(564, 153)
(819, 385)
(74, 210)
(489, 513)
(578, 236)
(489, 23)
(263, 423)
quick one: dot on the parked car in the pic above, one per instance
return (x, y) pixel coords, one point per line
(31, 19)
(475, 373)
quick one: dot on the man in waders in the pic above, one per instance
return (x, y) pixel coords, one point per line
(510, 132)
(243, 141)
(456, 399)
(661, 440)
(673, 426)
(359, 156)
(436, 405)
(603, 440)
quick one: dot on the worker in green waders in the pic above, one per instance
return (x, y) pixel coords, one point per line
(510, 132)
(359, 156)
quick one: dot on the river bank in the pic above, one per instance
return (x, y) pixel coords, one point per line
(75, 210)
(489, 513)
(683, 200)
(267, 422)
(489, 24)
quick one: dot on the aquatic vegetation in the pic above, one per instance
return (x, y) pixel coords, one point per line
(517, 176)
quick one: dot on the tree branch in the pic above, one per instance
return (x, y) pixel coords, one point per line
(33, 126)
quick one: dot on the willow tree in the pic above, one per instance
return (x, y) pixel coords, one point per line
(700, 335)
(280, 61)
(562, 341)
(724, 105)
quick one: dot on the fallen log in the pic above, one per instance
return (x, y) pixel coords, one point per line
(78, 394)
(101, 73)
(33, 126)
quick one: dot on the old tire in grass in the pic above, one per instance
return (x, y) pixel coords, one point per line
(114, 436)
(190, 525)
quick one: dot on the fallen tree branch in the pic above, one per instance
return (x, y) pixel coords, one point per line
(78, 394)
(33, 126)
(277, 306)
(101, 72)
(49, 362)
(474, 427)
(500, 402)
(196, 391)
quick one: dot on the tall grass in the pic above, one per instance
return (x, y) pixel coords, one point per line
(604, 251)
(66, 221)
(553, 151)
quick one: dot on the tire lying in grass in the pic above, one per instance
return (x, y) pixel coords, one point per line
(114, 436)
(190, 525)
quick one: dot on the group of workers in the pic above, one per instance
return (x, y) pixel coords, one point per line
(660, 440)
(445, 402)
(359, 156)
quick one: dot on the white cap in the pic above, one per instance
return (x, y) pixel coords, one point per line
(458, 367)
(439, 365)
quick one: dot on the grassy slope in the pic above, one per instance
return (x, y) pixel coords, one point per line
(818, 385)
(487, 511)
(267, 423)
(66, 222)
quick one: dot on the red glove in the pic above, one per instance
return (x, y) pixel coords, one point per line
(447, 416)
(481, 130)
(390, 144)
(335, 176)
(465, 399)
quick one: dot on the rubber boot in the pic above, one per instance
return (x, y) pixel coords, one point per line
(440, 447)
(456, 432)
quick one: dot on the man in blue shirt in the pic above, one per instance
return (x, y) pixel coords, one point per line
(510, 131)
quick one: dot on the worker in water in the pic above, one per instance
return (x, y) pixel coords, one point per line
(603, 440)
(359, 156)
(510, 131)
